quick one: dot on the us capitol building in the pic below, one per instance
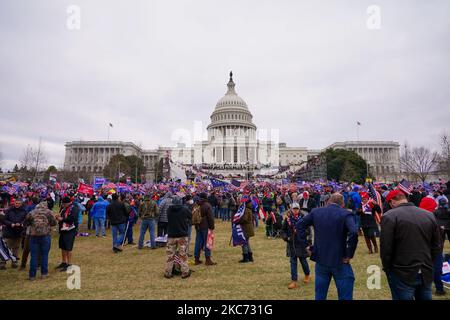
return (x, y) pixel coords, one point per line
(232, 147)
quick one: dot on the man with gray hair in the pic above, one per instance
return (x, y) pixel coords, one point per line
(335, 241)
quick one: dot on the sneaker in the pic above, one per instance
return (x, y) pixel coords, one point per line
(140, 248)
(104, 237)
(153, 248)
(187, 275)
(440, 293)
(61, 265)
(44, 276)
(22, 268)
(14, 265)
(168, 276)
(32, 279)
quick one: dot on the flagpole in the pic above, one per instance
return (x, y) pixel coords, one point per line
(108, 131)
(357, 131)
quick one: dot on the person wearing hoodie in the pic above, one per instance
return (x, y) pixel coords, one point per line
(98, 215)
(207, 222)
(179, 217)
(162, 220)
(40, 220)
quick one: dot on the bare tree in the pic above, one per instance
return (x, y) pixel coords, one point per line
(444, 157)
(418, 161)
(33, 161)
(26, 160)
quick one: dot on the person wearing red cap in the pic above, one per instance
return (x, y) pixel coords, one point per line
(409, 245)
(430, 205)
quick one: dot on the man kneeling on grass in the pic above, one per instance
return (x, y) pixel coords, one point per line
(179, 218)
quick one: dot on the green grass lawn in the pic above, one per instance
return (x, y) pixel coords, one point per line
(138, 274)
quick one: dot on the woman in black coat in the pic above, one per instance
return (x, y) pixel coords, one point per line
(294, 247)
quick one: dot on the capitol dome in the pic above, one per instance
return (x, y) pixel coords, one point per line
(231, 117)
(231, 99)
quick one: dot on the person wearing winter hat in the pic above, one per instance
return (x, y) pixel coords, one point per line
(428, 204)
(410, 243)
(295, 249)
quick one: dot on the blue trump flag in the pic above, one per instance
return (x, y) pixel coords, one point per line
(237, 234)
(216, 183)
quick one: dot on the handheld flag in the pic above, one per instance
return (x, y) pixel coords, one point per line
(405, 187)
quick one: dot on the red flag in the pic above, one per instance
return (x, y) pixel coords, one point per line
(85, 189)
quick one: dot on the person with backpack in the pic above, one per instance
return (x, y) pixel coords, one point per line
(148, 213)
(202, 226)
(40, 220)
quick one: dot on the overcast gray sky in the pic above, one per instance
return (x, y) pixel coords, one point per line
(149, 67)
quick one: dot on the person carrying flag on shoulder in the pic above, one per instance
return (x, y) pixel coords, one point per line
(246, 222)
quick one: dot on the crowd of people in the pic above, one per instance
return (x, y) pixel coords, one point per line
(319, 221)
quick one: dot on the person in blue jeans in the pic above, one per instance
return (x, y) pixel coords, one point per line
(410, 243)
(39, 247)
(118, 215)
(296, 250)
(148, 213)
(40, 220)
(335, 242)
(98, 214)
(418, 290)
(207, 222)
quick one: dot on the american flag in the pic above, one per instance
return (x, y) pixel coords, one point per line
(405, 186)
(237, 216)
(375, 195)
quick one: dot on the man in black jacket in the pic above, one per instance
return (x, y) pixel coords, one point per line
(409, 244)
(179, 218)
(13, 231)
(118, 216)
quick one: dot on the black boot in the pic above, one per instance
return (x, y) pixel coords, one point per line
(244, 259)
(250, 256)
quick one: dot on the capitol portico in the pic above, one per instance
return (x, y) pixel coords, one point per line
(232, 142)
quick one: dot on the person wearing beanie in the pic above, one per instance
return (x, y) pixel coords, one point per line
(179, 217)
(410, 243)
(295, 249)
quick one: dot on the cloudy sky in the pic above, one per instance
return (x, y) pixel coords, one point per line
(150, 67)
